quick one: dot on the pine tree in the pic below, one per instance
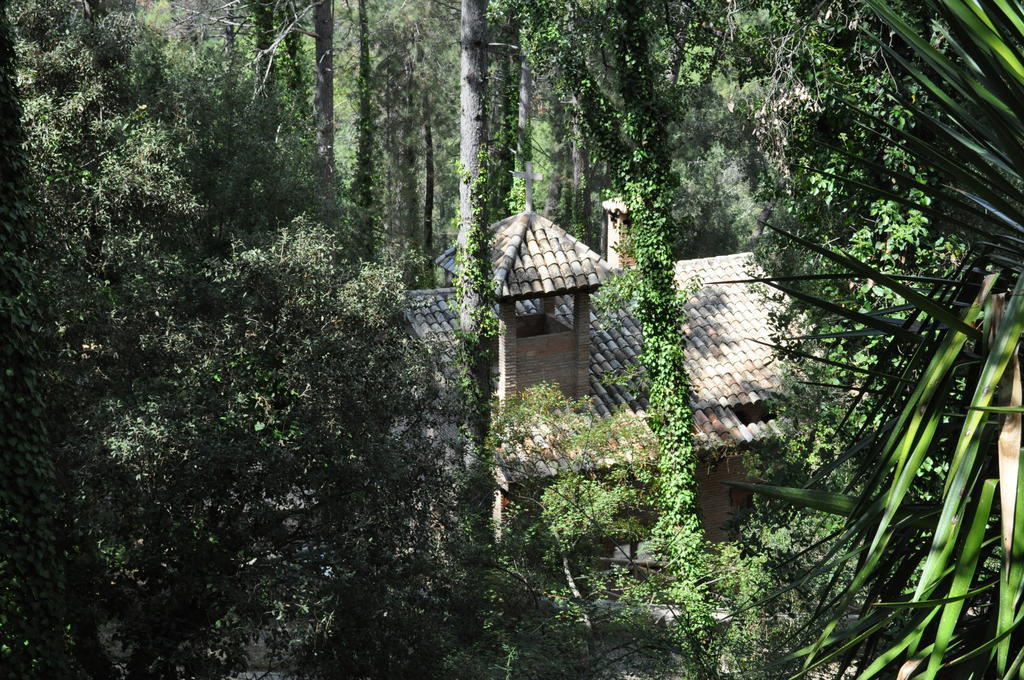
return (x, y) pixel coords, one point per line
(474, 274)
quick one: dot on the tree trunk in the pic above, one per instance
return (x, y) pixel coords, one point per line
(406, 222)
(581, 212)
(262, 18)
(323, 103)
(471, 98)
(229, 39)
(504, 121)
(554, 195)
(364, 191)
(648, 104)
(292, 48)
(428, 187)
(523, 149)
(474, 275)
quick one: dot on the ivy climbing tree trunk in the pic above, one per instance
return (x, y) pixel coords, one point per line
(31, 575)
(629, 132)
(473, 279)
(323, 104)
(645, 178)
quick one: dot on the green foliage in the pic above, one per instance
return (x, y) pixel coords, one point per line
(936, 579)
(210, 448)
(130, 131)
(818, 90)
(809, 105)
(625, 110)
(579, 484)
(413, 51)
(719, 169)
(248, 440)
(32, 617)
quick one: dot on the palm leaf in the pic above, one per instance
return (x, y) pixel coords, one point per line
(962, 618)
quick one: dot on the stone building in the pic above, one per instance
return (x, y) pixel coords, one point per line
(550, 332)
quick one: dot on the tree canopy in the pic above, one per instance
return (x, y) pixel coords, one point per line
(226, 450)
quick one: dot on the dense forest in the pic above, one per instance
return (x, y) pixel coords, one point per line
(262, 415)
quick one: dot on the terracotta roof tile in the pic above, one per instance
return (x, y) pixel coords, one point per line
(532, 256)
(727, 368)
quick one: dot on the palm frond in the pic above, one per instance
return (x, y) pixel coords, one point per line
(923, 599)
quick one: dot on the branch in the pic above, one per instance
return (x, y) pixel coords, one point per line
(271, 50)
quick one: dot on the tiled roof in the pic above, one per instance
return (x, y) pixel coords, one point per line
(724, 321)
(446, 260)
(728, 369)
(533, 257)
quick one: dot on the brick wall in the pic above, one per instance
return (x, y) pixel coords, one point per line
(717, 500)
(508, 380)
(581, 331)
(547, 358)
(529, 325)
(537, 348)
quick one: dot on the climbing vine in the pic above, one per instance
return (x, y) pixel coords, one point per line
(503, 141)
(647, 184)
(474, 282)
(629, 130)
(365, 181)
(31, 577)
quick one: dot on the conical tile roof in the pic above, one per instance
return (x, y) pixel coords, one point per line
(534, 257)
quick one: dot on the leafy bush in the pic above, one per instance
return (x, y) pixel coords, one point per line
(248, 451)
(251, 450)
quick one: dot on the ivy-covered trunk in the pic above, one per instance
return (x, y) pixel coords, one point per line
(647, 183)
(31, 575)
(630, 133)
(364, 189)
(473, 281)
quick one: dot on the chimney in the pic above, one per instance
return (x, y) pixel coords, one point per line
(538, 267)
(616, 227)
